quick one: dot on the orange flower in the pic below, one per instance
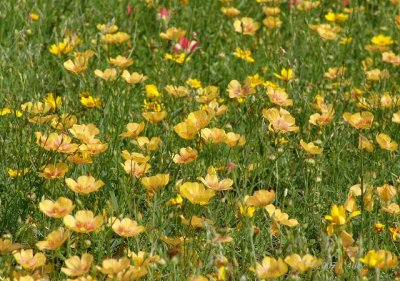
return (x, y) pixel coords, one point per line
(134, 156)
(278, 96)
(173, 34)
(51, 171)
(280, 120)
(85, 133)
(186, 155)
(154, 116)
(232, 139)
(196, 222)
(146, 144)
(177, 92)
(385, 142)
(359, 120)
(54, 240)
(303, 264)
(77, 66)
(237, 91)
(386, 192)
(133, 130)
(84, 185)
(113, 267)
(214, 135)
(126, 227)
(246, 26)
(58, 209)
(136, 169)
(121, 61)
(196, 193)
(133, 78)
(7, 246)
(29, 261)
(108, 74)
(271, 268)
(76, 266)
(311, 148)
(260, 198)
(83, 222)
(155, 183)
(56, 142)
(212, 181)
(279, 218)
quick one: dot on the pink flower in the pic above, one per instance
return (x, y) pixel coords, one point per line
(231, 166)
(185, 46)
(345, 2)
(129, 9)
(163, 14)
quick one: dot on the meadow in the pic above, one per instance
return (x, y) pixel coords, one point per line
(199, 140)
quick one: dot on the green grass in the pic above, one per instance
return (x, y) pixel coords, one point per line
(305, 189)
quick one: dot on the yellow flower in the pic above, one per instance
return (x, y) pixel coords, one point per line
(58, 209)
(17, 172)
(385, 142)
(280, 120)
(116, 38)
(338, 218)
(107, 28)
(54, 240)
(36, 107)
(271, 268)
(121, 61)
(245, 210)
(359, 120)
(126, 227)
(186, 155)
(381, 259)
(393, 209)
(34, 16)
(84, 184)
(133, 78)
(382, 40)
(56, 142)
(336, 17)
(260, 198)
(83, 222)
(246, 26)
(244, 54)
(5, 111)
(90, 101)
(152, 91)
(346, 40)
(134, 156)
(194, 83)
(196, 193)
(272, 22)
(29, 261)
(178, 58)
(108, 74)
(76, 266)
(303, 264)
(155, 183)
(311, 148)
(285, 75)
(61, 48)
(230, 11)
